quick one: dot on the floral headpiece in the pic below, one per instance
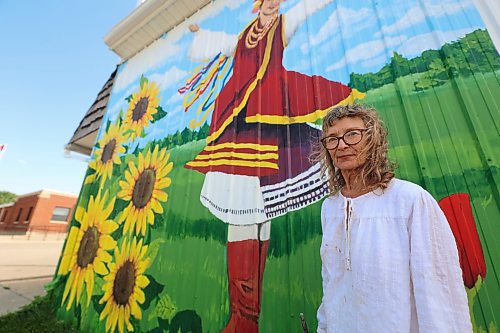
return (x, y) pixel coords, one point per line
(257, 4)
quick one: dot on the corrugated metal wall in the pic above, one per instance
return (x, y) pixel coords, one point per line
(148, 247)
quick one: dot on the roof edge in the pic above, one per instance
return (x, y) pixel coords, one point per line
(134, 22)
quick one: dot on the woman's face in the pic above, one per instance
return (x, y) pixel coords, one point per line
(270, 7)
(347, 157)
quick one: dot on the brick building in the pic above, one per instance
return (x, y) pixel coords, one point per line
(42, 211)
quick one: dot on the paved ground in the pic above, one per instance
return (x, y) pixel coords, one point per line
(15, 294)
(26, 265)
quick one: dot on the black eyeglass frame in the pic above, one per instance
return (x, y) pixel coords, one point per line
(362, 130)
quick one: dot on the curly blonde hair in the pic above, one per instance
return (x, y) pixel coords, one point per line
(377, 171)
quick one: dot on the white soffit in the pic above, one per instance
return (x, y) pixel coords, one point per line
(147, 23)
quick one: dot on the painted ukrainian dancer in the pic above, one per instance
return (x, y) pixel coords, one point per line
(256, 162)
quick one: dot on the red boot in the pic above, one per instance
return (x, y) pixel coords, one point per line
(245, 268)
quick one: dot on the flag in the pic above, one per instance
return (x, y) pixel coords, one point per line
(3, 148)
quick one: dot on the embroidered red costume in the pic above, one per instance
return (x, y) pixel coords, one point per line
(262, 111)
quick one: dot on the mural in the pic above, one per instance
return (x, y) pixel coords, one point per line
(200, 210)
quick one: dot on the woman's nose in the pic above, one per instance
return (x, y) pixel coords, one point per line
(342, 144)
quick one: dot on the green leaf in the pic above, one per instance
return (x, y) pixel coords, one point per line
(98, 284)
(54, 283)
(165, 308)
(152, 290)
(159, 115)
(129, 98)
(154, 247)
(107, 125)
(143, 80)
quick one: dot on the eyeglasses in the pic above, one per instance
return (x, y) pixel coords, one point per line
(350, 138)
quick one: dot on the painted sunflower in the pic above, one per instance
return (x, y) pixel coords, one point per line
(145, 182)
(123, 286)
(86, 250)
(110, 146)
(142, 106)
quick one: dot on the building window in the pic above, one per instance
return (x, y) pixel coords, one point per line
(60, 214)
(30, 211)
(18, 218)
(2, 215)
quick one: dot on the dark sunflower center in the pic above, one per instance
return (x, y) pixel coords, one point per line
(88, 247)
(140, 109)
(124, 283)
(143, 189)
(107, 152)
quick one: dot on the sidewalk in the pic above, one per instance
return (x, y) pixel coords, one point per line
(26, 265)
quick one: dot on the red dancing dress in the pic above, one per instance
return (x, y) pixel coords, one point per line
(259, 128)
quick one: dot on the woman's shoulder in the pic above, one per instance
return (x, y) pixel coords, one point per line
(330, 201)
(406, 190)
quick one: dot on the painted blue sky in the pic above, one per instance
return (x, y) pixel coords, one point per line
(53, 62)
(344, 36)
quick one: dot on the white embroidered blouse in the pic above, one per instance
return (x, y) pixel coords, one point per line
(390, 264)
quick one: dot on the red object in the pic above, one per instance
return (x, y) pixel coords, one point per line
(245, 267)
(458, 212)
(260, 108)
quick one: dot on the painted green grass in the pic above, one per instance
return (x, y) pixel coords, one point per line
(443, 159)
(432, 137)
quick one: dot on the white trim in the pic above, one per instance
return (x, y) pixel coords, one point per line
(148, 22)
(58, 222)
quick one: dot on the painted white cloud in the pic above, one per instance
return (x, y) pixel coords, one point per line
(216, 7)
(174, 99)
(153, 56)
(418, 13)
(434, 40)
(366, 51)
(121, 104)
(170, 77)
(346, 17)
(376, 61)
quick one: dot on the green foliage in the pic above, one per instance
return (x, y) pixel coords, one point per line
(165, 308)
(183, 137)
(473, 53)
(39, 316)
(6, 197)
(143, 80)
(159, 114)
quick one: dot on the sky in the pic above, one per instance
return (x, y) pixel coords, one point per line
(53, 63)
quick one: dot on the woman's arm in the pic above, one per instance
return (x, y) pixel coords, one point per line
(296, 16)
(321, 315)
(206, 44)
(438, 289)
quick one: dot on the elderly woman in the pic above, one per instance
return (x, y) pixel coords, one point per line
(389, 259)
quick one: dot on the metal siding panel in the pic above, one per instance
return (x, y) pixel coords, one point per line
(437, 97)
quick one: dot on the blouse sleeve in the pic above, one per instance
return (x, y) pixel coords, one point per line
(206, 44)
(439, 292)
(321, 315)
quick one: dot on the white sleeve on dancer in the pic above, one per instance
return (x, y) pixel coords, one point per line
(297, 15)
(206, 44)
